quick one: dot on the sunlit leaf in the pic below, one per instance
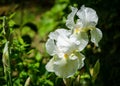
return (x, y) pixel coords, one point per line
(38, 57)
(12, 15)
(96, 70)
(11, 23)
(85, 75)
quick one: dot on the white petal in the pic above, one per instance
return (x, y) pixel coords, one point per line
(66, 69)
(81, 39)
(60, 61)
(54, 35)
(63, 43)
(63, 31)
(96, 35)
(81, 60)
(88, 16)
(50, 47)
(67, 45)
(70, 19)
(50, 65)
(79, 24)
(73, 57)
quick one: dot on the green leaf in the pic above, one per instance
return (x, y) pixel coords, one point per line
(50, 83)
(85, 76)
(96, 70)
(21, 40)
(38, 56)
(12, 15)
(11, 23)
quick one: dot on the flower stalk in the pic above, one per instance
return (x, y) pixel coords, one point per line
(67, 81)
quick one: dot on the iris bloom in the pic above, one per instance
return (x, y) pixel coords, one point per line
(64, 48)
(87, 20)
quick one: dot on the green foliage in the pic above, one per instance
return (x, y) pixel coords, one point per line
(96, 70)
(28, 57)
(29, 26)
(26, 60)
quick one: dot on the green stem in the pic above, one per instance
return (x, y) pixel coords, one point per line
(67, 81)
(8, 68)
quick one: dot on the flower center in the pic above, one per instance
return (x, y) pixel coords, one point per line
(77, 31)
(66, 56)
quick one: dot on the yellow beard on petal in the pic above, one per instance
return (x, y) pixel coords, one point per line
(77, 31)
(66, 56)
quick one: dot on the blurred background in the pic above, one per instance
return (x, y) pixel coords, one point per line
(34, 19)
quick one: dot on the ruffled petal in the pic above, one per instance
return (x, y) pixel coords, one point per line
(50, 65)
(79, 24)
(63, 43)
(81, 58)
(63, 32)
(96, 35)
(51, 47)
(73, 57)
(70, 19)
(54, 35)
(67, 68)
(67, 44)
(88, 16)
(81, 40)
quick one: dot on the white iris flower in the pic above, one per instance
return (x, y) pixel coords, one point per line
(87, 21)
(64, 48)
(65, 45)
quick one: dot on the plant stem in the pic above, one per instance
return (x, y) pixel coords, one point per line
(67, 81)
(7, 64)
